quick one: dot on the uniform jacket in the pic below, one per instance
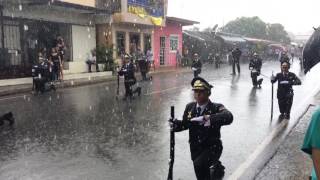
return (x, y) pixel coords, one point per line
(199, 135)
(197, 65)
(127, 71)
(255, 63)
(285, 83)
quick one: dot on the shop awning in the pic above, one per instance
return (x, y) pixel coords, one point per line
(183, 22)
(58, 4)
(232, 39)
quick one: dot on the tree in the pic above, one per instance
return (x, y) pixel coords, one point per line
(276, 32)
(247, 26)
(254, 27)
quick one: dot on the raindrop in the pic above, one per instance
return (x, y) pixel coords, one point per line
(72, 83)
(90, 108)
(50, 98)
(130, 110)
(20, 7)
(24, 97)
(89, 78)
(58, 96)
(112, 110)
(89, 36)
(25, 27)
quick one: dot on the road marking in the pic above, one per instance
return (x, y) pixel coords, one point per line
(15, 97)
(164, 90)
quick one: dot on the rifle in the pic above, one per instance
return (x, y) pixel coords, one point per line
(172, 143)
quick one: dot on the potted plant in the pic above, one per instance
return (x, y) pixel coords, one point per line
(105, 57)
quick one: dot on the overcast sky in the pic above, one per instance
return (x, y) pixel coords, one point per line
(298, 16)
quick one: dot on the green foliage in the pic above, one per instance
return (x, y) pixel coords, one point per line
(105, 56)
(254, 27)
(276, 32)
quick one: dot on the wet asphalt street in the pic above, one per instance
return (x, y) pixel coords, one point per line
(85, 133)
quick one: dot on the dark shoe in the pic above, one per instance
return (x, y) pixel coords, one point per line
(281, 116)
(287, 116)
(9, 118)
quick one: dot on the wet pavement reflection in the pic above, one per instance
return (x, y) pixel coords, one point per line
(85, 133)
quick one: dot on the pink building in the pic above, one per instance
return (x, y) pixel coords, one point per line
(168, 41)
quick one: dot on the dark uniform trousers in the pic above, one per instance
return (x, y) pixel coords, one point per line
(205, 144)
(285, 104)
(236, 54)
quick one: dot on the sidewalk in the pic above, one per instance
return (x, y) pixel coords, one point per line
(289, 162)
(24, 85)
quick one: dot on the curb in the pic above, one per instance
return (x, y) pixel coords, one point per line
(25, 88)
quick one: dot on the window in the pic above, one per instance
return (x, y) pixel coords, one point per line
(121, 39)
(174, 41)
(147, 42)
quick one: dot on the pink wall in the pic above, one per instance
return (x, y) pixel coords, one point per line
(170, 56)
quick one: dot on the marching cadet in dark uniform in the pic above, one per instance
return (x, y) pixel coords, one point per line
(127, 70)
(284, 57)
(204, 120)
(285, 80)
(196, 65)
(236, 54)
(255, 67)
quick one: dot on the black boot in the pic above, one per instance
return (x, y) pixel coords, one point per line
(281, 116)
(287, 116)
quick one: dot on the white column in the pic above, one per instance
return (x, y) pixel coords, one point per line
(114, 41)
(127, 42)
(142, 42)
(124, 6)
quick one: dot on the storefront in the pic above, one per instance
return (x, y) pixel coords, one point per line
(168, 41)
(28, 28)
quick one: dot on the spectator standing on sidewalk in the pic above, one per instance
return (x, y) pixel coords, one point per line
(61, 51)
(56, 61)
(311, 144)
(150, 59)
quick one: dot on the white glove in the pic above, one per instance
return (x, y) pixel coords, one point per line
(284, 82)
(272, 78)
(194, 69)
(198, 119)
(207, 121)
